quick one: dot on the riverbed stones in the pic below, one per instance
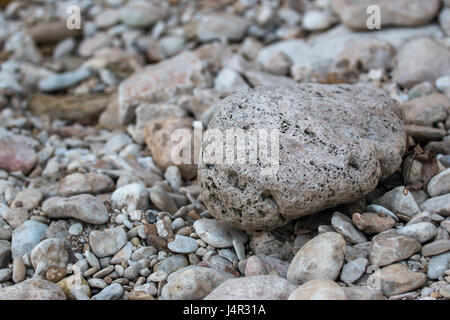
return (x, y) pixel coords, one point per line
(350, 165)
(396, 279)
(107, 242)
(391, 246)
(322, 257)
(393, 13)
(33, 289)
(84, 207)
(267, 287)
(193, 283)
(319, 289)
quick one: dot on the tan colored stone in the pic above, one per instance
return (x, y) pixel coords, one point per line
(319, 289)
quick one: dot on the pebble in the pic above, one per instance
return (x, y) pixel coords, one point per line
(32, 289)
(322, 257)
(84, 207)
(50, 252)
(193, 283)
(171, 264)
(318, 289)
(353, 270)
(391, 246)
(343, 225)
(267, 287)
(134, 196)
(183, 244)
(162, 200)
(16, 155)
(262, 265)
(421, 231)
(399, 202)
(55, 273)
(435, 248)
(315, 20)
(77, 183)
(372, 223)
(28, 199)
(64, 80)
(107, 242)
(26, 237)
(437, 205)
(76, 229)
(112, 292)
(221, 26)
(396, 279)
(16, 216)
(218, 234)
(19, 270)
(439, 184)
(437, 265)
(140, 14)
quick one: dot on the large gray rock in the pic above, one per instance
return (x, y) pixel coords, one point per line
(267, 287)
(33, 289)
(193, 283)
(335, 143)
(421, 60)
(321, 257)
(393, 13)
(84, 207)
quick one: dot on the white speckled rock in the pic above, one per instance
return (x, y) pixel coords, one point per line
(319, 289)
(107, 242)
(321, 257)
(267, 287)
(193, 283)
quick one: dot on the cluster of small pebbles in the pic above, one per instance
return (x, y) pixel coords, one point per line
(92, 205)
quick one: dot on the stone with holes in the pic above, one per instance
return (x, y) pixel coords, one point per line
(334, 143)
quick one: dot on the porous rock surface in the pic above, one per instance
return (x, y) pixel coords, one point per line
(335, 143)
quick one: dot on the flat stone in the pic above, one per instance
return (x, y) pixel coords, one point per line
(422, 231)
(391, 246)
(393, 13)
(285, 192)
(107, 242)
(363, 293)
(78, 183)
(26, 237)
(439, 184)
(140, 14)
(217, 234)
(221, 26)
(75, 287)
(318, 289)
(372, 223)
(112, 292)
(361, 250)
(353, 270)
(171, 264)
(435, 248)
(16, 216)
(193, 283)
(426, 110)
(424, 133)
(396, 279)
(64, 80)
(183, 244)
(162, 200)
(84, 207)
(267, 287)
(33, 289)
(321, 257)
(343, 224)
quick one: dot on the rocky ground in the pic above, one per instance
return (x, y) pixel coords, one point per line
(93, 207)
